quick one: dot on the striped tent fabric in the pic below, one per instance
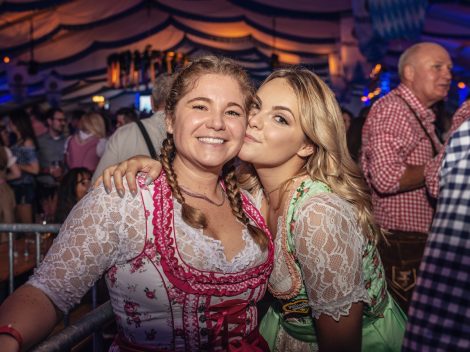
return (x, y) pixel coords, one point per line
(398, 19)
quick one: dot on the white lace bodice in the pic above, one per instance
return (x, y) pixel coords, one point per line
(103, 230)
(328, 247)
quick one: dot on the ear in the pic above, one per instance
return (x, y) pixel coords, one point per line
(306, 150)
(169, 124)
(409, 73)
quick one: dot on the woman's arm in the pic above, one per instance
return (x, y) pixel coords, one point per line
(101, 230)
(129, 168)
(31, 313)
(344, 335)
(329, 248)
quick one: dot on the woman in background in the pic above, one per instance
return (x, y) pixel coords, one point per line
(73, 187)
(25, 151)
(85, 148)
(9, 170)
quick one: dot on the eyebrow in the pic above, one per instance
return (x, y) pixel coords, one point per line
(277, 107)
(210, 101)
(284, 108)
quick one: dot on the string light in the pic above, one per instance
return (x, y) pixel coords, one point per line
(6, 60)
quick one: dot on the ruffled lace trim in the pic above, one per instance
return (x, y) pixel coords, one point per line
(191, 279)
(289, 259)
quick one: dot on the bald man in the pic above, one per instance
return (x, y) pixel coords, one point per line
(399, 160)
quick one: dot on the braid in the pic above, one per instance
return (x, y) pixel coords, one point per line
(235, 199)
(192, 216)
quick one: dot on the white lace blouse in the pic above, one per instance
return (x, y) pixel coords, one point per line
(104, 230)
(328, 247)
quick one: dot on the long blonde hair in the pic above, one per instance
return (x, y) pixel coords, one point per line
(184, 81)
(323, 126)
(93, 123)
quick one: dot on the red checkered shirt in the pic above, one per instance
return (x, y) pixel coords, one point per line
(392, 138)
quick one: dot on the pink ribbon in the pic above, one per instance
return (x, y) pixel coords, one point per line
(234, 312)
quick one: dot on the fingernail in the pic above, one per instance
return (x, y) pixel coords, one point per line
(133, 192)
(108, 191)
(148, 180)
(121, 193)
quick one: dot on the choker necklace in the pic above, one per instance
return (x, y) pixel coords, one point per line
(203, 197)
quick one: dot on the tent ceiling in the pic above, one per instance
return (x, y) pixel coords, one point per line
(72, 39)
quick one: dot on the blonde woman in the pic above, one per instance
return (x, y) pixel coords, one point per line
(85, 148)
(328, 279)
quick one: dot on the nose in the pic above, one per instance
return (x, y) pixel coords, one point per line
(216, 121)
(255, 120)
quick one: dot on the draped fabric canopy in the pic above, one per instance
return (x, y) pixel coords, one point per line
(65, 44)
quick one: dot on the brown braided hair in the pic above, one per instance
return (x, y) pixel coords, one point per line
(184, 81)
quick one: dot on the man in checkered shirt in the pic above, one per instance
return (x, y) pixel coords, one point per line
(440, 309)
(399, 160)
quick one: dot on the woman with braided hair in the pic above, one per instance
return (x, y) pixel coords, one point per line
(328, 279)
(186, 257)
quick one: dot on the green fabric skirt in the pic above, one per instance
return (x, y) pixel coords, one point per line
(378, 333)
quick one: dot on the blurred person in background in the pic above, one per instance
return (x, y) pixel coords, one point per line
(143, 137)
(85, 148)
(347, 118)
(25, 151)
(51, 157)
(354, 134)
(9, 170)
(37, 121)
(75, 117)
(125, 116)
(399, 157)
(73, 187)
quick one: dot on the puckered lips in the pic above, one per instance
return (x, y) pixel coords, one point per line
(250, 138)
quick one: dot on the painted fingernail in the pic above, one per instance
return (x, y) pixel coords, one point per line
(148, 180)
(121, 193)
(108, 191)
(133, 192)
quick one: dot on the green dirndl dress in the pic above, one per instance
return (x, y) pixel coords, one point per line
(383, 320)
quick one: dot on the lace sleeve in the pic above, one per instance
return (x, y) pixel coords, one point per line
(100, 231)
(329, 247)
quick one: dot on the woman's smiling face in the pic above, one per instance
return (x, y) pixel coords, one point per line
(209, 122)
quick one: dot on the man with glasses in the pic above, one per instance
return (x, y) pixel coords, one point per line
(51, 156)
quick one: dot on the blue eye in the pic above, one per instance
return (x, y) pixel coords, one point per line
(233, 113)
(280, 119)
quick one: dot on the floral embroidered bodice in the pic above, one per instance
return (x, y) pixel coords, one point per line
(171, 286)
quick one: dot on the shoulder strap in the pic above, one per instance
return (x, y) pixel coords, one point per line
(434, 150)
(147, 139)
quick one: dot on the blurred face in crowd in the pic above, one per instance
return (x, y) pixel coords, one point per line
(57, 123)
(120, 121)
(83, 184)
(429, 73)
